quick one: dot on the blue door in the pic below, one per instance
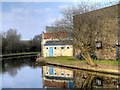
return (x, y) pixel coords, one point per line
(51, 70)
(70, 84)
(51, 51)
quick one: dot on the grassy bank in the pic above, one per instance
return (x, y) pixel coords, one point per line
(71, 60)
(109, 66)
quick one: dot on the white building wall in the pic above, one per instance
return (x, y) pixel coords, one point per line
(66, 51)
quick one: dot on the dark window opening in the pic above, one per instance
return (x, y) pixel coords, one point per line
(47, 48)
(99, 45)
(67, 47)
(54, 47)
(62, 47)
(46, 72)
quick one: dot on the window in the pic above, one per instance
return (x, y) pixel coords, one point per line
(67, 74)
(98, 82)
(47, 73)
(54, 47)
(46, 47)
(67, 47)
(62, 74)
(55, 73)
(99, 45)
(62, 47)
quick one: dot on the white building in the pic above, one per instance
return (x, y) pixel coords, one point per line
(56, 44)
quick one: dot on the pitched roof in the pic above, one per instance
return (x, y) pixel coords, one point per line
(55, 35)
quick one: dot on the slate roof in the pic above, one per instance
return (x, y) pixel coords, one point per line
(65, 42)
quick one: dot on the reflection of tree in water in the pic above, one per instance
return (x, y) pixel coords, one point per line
(13, 65)
(0, 66)
(86, 80)
(83, 80)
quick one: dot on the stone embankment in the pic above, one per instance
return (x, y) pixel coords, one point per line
(107, 69)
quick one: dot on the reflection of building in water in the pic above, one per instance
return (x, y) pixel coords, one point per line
(85, 79)
(57, 77)
(106, 82)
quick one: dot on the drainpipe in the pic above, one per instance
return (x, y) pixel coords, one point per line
(117, 38)
(117, 32)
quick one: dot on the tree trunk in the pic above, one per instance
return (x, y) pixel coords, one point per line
(88, 58)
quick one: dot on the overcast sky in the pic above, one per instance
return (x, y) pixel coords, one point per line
(30, 17)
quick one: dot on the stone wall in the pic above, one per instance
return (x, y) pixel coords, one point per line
(105, 32)
(108, 40)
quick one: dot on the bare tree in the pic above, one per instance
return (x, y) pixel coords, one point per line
(80, 37)
(86, 24)
(12, 39)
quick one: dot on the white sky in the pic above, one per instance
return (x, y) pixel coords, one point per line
(57, 0)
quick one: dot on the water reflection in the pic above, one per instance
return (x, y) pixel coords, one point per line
(14, 65)
(21, 73)
(85, 79)
(58, 77)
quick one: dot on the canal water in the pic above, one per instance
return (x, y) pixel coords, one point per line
(23, 73)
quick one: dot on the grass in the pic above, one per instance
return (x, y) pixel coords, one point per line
(71, 60)
(62, 59)
(65, 58)
(107, 62)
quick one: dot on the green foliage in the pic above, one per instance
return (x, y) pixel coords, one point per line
(12, 43)
(35, 43)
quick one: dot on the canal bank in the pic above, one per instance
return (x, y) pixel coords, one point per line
(107, 67)
(19, 55)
